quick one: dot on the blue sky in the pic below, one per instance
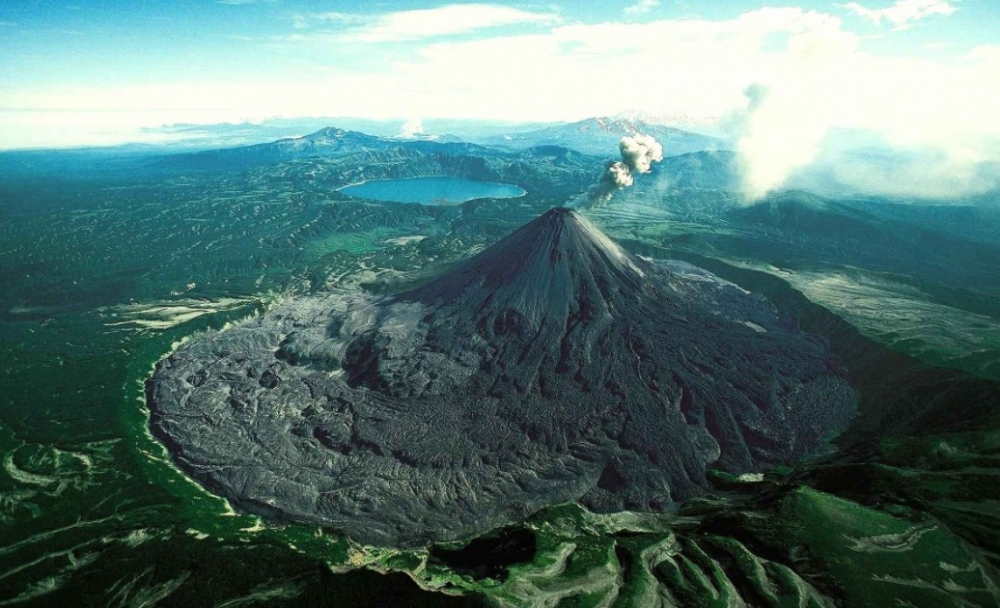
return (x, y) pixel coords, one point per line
(112, 42)
(919, 73)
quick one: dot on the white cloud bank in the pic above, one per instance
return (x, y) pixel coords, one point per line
(452, 19)
(934, 115)
(412, 128)
(904, 12)
(810, 76)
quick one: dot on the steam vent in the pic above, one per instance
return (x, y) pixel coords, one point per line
(552, 367)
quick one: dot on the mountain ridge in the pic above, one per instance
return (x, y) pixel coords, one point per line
(329, 142)
(594, 136)
(600, 136)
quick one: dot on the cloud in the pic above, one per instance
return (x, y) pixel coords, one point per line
(935, 134)
(812, 75)
(411, 128)
(788, 114)
(304, 22)
(777, 136)
(334, 16)
(408, 25)
(637, 156)
(921, 172)
(642, 6)
(640, 152)
(562, 72)
(904, 12)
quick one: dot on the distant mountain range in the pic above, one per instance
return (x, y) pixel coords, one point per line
(328, 142)
(594, 136)
(600, 136)
(228, 135)
(705, 125)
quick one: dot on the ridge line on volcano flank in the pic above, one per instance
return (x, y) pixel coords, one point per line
(542, 264)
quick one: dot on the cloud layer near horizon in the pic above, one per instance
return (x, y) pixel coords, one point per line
(419, 24)
(807, 74)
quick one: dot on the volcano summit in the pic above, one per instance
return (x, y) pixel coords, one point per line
(554, 366)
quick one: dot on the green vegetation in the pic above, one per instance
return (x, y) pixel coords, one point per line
(101, 277)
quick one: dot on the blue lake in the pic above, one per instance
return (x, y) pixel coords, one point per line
(430, 190)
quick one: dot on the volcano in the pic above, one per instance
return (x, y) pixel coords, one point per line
(554, 366)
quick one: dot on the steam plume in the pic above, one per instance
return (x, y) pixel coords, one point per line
(411, 129)
(638, 155)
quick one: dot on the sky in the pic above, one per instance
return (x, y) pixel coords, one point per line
(918, 75)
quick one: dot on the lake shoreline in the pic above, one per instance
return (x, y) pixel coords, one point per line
(448, 184)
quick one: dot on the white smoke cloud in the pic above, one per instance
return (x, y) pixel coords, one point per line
(932, 118)
(773, 143)
(638, 155)
(618, 175)
(788, 114)
(640, 152)
(412, 128)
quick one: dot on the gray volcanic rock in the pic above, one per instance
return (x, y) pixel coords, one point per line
(554, 366)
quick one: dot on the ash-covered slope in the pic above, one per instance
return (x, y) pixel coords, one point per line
(554, 366)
